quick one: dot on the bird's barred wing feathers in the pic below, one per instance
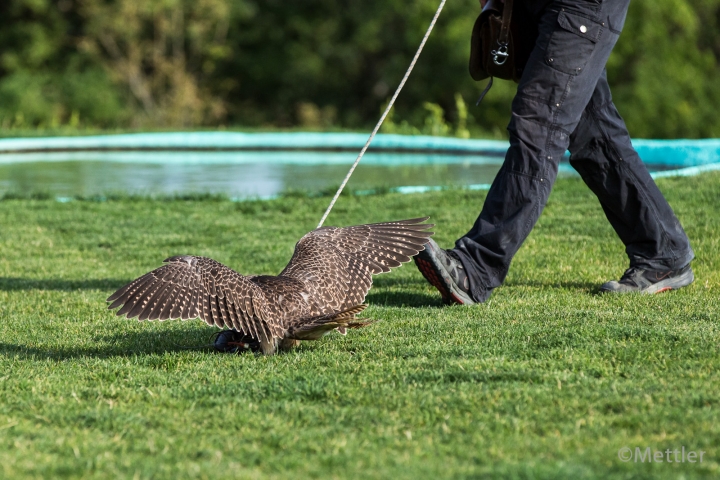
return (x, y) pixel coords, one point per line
(339, 262)
(191, 287)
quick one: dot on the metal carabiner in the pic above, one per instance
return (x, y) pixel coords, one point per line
(500, 55)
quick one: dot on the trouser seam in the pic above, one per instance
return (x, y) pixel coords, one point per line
(606, 138)
(515, 172)
(534, 98)
(536, 122)
(597, 108)
(651, 204)
(554, 126)
(629, 172)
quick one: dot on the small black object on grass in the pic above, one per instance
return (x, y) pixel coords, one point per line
(230, 341)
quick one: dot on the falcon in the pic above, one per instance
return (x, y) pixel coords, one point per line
(322, 288)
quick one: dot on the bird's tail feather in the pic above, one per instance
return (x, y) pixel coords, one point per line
(315, 327)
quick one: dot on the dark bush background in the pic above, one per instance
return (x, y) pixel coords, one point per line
(317, 64)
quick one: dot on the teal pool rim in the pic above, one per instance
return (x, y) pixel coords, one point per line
(679, 157)
(255, 142)
(677, 153)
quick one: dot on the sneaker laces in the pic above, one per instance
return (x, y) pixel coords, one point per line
(628, 278)
(458, 271)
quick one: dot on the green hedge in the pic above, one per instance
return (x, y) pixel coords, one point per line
(318, 64)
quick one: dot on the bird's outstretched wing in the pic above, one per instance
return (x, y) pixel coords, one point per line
(337, 264)
(191, 287)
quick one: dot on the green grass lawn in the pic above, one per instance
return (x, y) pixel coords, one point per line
(548, 379)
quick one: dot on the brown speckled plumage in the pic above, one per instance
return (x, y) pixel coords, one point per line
(322, 288)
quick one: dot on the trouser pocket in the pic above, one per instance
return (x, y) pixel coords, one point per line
(572, 43)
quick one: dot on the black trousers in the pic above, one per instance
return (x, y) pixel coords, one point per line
(563, 102)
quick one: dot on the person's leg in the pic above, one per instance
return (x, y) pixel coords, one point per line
(575, 40)
(603, 155)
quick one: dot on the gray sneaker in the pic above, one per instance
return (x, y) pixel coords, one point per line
(444, 271)
(639, 280)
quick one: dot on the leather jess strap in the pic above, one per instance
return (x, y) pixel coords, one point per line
(503, 39)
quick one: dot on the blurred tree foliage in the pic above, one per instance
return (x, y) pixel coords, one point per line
(319, 64)
(163, 52)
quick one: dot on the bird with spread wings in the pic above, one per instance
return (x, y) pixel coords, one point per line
(321, 289)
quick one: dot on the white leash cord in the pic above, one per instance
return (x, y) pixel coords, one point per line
(385, 113)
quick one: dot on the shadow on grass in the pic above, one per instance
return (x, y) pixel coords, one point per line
(406, 298)
(8, 284)
(131, 344)
(488, 377)
(121, 344)
(403, 293)
(587, 287)
(403, 299)
(391, 299)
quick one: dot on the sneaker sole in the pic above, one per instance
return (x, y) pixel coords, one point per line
(662, 286)
(439, 279)
(672, 283)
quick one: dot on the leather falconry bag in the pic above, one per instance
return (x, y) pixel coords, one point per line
(494, 49)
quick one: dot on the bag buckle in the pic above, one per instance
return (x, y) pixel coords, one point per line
(500, 55)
